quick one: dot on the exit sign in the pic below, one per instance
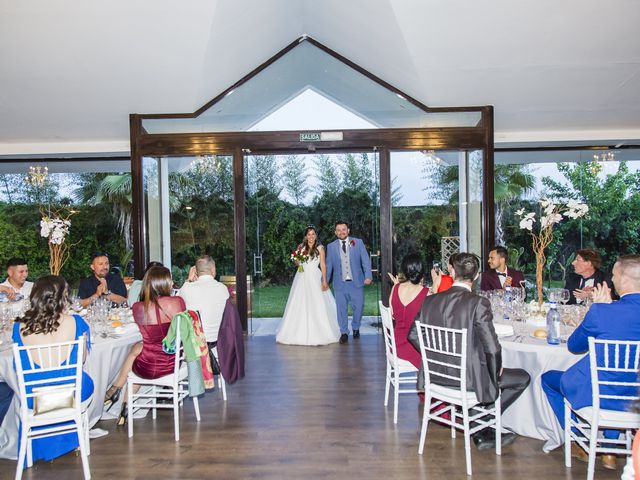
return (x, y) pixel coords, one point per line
(309, 137)
(321, 137)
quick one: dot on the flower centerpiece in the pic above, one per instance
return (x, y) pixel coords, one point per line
(299, 256)
(54, 226)
(550, 215)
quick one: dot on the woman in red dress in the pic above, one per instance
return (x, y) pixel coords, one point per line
(153, 314)
(406, 300)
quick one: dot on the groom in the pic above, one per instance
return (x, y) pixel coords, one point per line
(348, 262)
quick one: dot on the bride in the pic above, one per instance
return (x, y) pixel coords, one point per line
(310, 316)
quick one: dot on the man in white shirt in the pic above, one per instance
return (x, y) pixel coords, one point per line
(16, 282)
(204, 294)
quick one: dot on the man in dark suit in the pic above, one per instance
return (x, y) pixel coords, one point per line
(500, 276)
(606, 320)
(587, 276)
(101, 283)
(459, 308)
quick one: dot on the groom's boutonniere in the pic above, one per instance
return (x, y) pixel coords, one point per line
(352, 243)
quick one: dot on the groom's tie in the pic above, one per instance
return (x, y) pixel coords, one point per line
(344, 246)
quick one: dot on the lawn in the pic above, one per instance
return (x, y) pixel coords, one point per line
(270, 301)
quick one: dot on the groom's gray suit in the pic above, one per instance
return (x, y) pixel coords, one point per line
(347, 269)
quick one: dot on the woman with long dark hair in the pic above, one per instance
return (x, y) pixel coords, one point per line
(153, 314)
(45, 322)
(310, 316)
(406, 300)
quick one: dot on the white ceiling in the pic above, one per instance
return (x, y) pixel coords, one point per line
(72, 70)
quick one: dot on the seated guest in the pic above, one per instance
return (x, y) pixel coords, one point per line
(133, 295)
(205, 295)
(16, 282)
(459, 308)
(6, 394)
(405, 302)
(587, 275)
(101, 283)
(153, 314)
(619, 320)
(46, 322)
(500, 275)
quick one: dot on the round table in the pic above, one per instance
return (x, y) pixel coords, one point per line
(531, 415)
(103, 364)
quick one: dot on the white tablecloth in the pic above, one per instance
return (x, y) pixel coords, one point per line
(103, 363)
(531, 415)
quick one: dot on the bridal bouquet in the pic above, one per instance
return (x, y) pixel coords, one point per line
(300, 256)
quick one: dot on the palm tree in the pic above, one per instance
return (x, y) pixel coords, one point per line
(114, 189)
(510, 182)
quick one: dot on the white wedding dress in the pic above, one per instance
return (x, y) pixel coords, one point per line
(310, 317)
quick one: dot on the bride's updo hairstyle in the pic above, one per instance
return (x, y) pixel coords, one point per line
(313, 252)
(413, 268)
(49, 298)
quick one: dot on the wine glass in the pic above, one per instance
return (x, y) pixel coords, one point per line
(76, 305)
(564, 296)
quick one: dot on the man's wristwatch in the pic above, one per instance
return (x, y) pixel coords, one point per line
(107, 293)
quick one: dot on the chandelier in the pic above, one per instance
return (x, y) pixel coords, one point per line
(607, 156)
(430, 156)
(599, 159)
(205, 163)
(37, 175)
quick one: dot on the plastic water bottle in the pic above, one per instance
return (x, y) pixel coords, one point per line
(553, 325)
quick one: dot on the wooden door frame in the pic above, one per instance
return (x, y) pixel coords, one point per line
(386, 140)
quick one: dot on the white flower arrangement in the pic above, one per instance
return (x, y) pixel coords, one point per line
(54, 226)
(551, 214)
(55, 229)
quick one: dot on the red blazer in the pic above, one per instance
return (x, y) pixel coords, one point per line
(491, 281)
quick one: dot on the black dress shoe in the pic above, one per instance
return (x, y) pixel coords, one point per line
(486, 439)
(356, 334)
(344, 338)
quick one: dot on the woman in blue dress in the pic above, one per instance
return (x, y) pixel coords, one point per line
(47, 322)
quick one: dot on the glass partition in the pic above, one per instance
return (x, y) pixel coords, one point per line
(607, 180)
(305, 71)
(189, 205)
(436, 199)
(96, 195)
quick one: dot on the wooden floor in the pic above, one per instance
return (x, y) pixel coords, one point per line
(301, 413)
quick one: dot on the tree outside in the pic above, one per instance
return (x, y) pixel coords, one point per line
(612, 226)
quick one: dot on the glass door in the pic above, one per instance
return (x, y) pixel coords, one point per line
(189, 213)
(436, 204)
(287, 193)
